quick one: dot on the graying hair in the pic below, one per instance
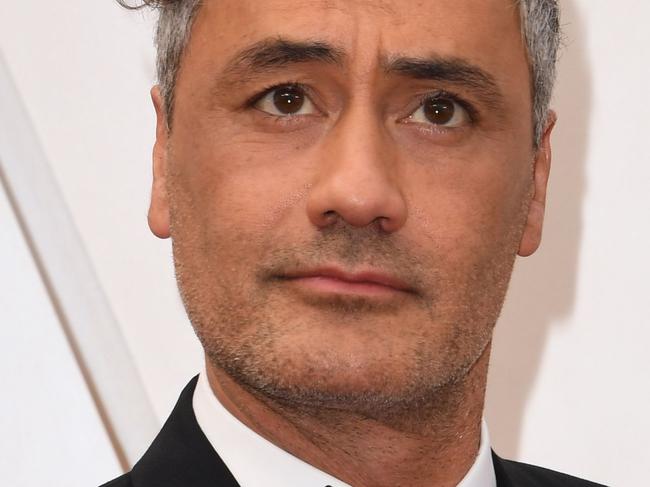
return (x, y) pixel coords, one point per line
(172, 34)
(540, 20)
(540, 27)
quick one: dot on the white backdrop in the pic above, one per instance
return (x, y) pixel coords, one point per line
(569, 385)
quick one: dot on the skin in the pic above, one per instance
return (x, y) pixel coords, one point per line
(381, 389)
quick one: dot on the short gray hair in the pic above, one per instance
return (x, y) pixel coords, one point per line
(540, 21)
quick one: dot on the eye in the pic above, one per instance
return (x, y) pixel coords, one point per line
(442, 111)
(283, 101)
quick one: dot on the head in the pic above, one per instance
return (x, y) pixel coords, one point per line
(397, 137)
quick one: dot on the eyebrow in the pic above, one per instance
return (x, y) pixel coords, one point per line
(450, 70)
(270, 54)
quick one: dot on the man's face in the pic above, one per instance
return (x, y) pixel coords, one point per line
(315, 141)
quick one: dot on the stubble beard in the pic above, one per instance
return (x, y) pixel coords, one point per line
(242, 332)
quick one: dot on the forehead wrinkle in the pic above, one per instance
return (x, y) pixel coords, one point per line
(256, 60)
(341, 5)
(273, 53)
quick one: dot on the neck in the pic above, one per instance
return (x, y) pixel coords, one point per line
(435, 445)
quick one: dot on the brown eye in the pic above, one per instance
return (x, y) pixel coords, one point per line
(439, 111)
(288, 100)
(285, 101)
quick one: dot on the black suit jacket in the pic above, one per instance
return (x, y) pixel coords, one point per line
(181, 456)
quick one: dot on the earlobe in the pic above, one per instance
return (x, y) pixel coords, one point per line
(532, 235)
(158, 217)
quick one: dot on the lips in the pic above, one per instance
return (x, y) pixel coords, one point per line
(333, 279)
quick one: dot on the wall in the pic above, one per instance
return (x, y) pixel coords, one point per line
(50, 426)
(569, 380)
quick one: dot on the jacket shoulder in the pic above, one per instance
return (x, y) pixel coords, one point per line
(121, 481)
(523, 474)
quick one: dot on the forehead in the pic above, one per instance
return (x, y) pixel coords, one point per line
(474, 29)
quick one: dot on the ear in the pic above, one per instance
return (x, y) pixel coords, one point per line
(159, 207)
(532, 235)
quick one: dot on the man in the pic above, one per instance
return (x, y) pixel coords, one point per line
(346, 184)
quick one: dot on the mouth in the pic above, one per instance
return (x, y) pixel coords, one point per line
(333, 280)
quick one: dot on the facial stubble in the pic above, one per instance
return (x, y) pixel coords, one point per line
(245, 330)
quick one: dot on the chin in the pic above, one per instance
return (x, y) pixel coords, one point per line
(362, 378)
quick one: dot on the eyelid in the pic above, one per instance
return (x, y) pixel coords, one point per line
(265, 91)
(471, 112)
(253, 102)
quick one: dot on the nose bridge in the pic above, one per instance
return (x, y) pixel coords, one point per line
(358, 146)
(357, 174)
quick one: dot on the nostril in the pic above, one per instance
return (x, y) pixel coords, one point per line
(329, 217)
(358, 201)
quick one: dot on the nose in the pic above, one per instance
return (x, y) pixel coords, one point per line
(357, 179)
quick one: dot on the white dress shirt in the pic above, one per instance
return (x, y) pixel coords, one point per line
(256, 462)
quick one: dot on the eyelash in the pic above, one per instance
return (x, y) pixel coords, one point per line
(440, 94)
(251, 102)
(286, 121)
(468, 107)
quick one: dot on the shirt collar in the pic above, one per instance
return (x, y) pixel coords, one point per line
(256, 462)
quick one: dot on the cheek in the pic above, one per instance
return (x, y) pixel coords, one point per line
(230, 195)
(471, 205)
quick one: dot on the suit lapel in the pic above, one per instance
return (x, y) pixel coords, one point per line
(503, 480)
(181, 455)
